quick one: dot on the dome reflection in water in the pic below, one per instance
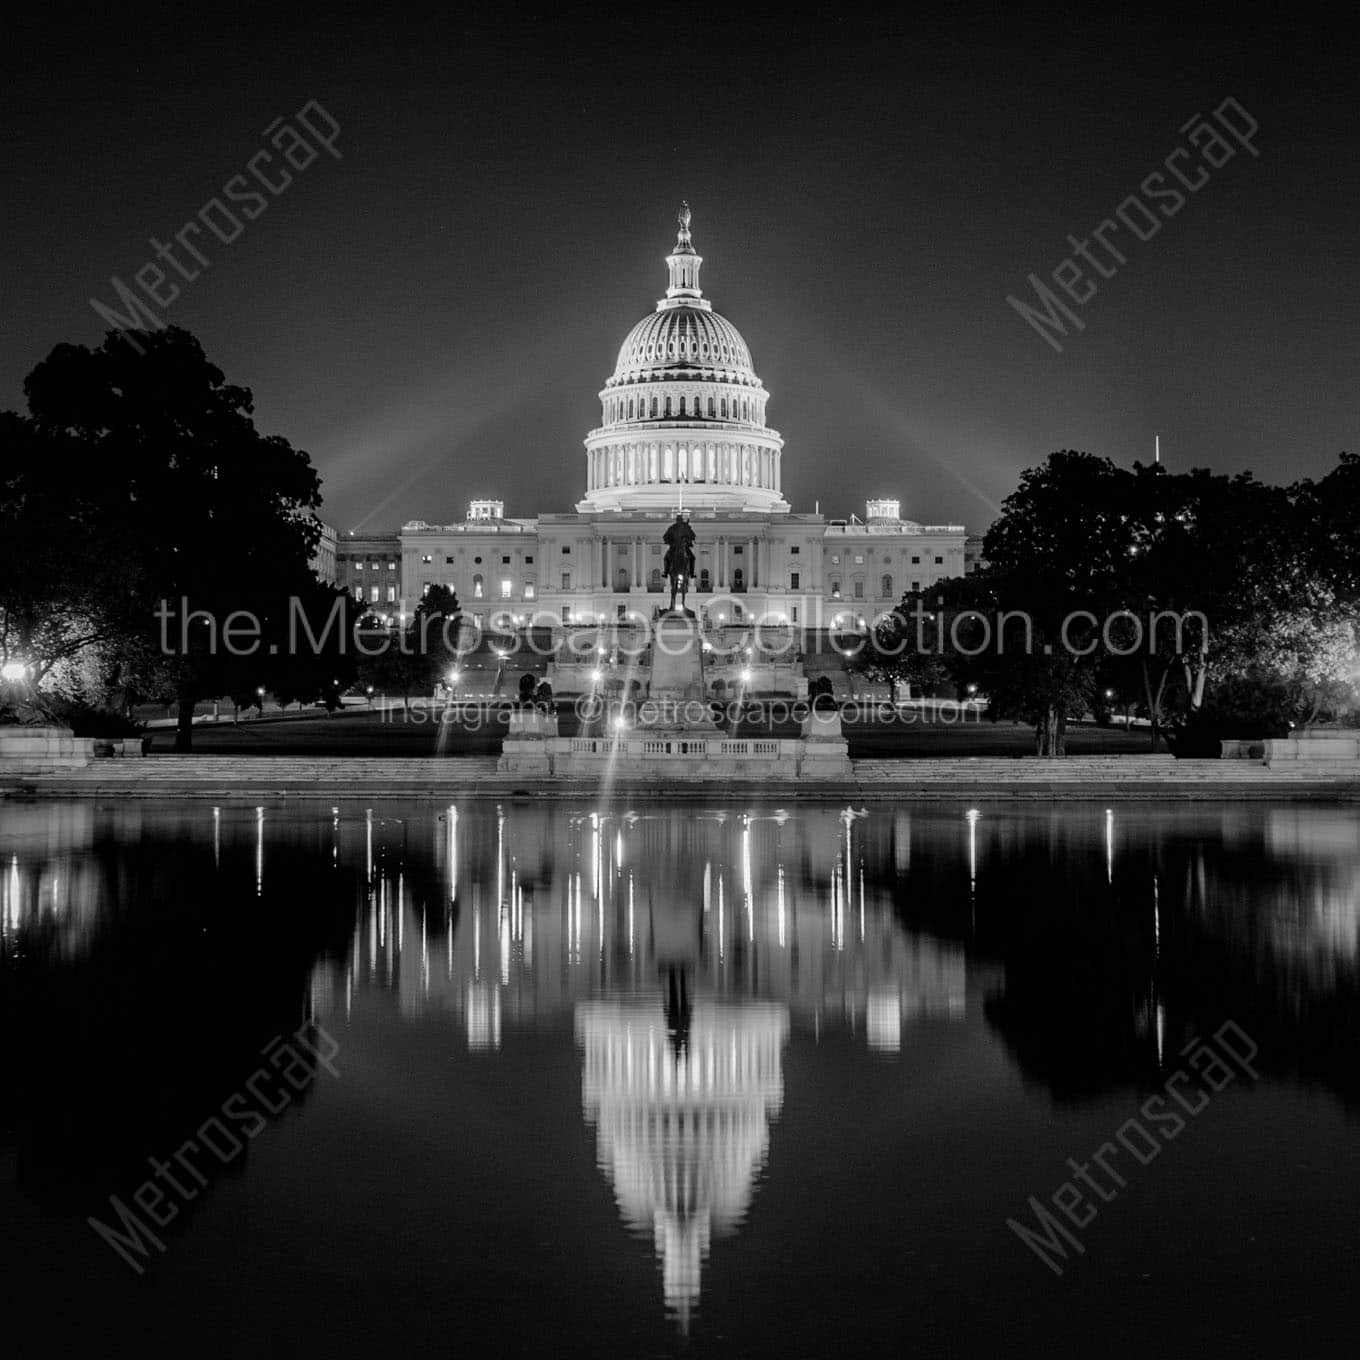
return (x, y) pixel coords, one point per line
(756, 1066)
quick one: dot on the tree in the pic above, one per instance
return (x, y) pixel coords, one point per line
(218, 517)
(899, 651)
(417, 654)
(66, 573)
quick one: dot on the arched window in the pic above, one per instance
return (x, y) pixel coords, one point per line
(723, 408)
(835, 589)
(682, 406)
(622, 583)
(738, 579)
(887, 587)
(668, 408)
(710, 408)
(653, 408)
(477, 586)
(704, 580)
(630, 408)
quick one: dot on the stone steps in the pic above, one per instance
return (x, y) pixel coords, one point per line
(981, 778)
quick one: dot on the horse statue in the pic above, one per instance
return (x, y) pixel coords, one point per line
(679, 564)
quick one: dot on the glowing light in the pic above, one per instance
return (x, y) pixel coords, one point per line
(595, 677)
(13, 670)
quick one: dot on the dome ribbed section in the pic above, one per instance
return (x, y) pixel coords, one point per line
(683, 338)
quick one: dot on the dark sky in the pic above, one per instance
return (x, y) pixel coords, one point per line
(432, 315)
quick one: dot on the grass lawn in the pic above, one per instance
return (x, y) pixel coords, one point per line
(474, 731)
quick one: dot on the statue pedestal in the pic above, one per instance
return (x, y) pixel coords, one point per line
(677, 697)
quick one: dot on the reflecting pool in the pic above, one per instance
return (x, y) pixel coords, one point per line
(716, 1080)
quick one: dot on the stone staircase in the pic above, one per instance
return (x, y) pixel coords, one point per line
(973, 778)
(1113, 776)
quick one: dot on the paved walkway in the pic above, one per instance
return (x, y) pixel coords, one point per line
(973, 779)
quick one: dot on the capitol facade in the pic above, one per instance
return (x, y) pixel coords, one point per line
(684, 428)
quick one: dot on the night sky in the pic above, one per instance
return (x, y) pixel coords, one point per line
(432, 315)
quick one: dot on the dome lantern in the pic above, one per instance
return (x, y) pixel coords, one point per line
(683, 264)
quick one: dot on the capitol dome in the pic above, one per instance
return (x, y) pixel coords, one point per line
(683, 339)
(683, 416)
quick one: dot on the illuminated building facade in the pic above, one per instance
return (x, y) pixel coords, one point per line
(683, 426)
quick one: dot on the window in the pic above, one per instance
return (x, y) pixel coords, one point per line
(915, 561)
(477, 560)
(505, 561)
(448, 560)
(373, 595)
(477, 586)
(506, 588)
(738, 579)
(793, 580)
(793, 614)
(738, 549)
(835, 559)
(426, 560)
(529, 561)
(859, 590)
(939, 561)
(794, 550)
(566, 548)
(835, 590)
(566, 613)
(859, 559)
(528, 590)
(566, 580)
(887, 586)
(916, 587)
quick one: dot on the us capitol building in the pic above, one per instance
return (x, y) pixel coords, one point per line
(683, 426)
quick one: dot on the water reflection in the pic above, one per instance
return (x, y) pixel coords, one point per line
(681, 947)
(679, 961)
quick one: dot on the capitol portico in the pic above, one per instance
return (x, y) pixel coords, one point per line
(683, 427)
